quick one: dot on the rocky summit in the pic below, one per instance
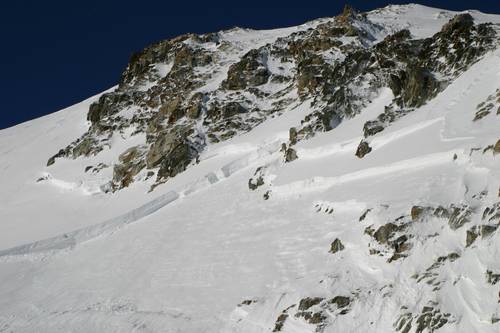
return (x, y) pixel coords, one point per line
(340, 175)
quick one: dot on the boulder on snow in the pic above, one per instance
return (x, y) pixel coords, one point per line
(471, 236)
(257, 179)
(363, 149)
(336, 246)
(290, 155)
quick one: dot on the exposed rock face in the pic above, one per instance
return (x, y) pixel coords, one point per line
(162, 147)
(492, 213)
(176, 160)
(425, 67)
(419, 85)
(459, 216)
(458, 24)
(488, 230)
(257, 180)
(250, 71)
(304, 310)
(292, 134)
(308, 302)
(496, 148)
(336, 246)
(193, 90)
(363, 216)
(131, 163)
(226, 111)
(290, 155)
(471, 237)
(429, 320)
(372, 127)
(492, 278)
(416, 212)
(315, 311)
(385, 232)
(363, 149)
(340, 301)
(280, 321)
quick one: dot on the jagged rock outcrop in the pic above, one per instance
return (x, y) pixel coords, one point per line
(131, 163)
(257, 180)
(250, 71)
(290, 155)
(363, 149)
(496, 148)
(336, 246)
(187, 92)
(459, 216)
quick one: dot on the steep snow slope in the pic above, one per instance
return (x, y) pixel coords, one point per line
(204, 253)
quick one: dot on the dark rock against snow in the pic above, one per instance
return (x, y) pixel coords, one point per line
(471, 236)
(419, 86)
(131, 163)
(340, 301)
(290, 155)
(280, 321)
(496, 148)
(363, 149)
(249, 71)
(336, 65)
(385, 232)
(336, 246)
(176, 160)
(363, 216)
(292, 134)
(308, 302)
(257, 179)
(488, 230)
(416, 212)
(460, 215)
(492, 278)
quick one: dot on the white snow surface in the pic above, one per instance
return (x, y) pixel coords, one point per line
(182, 257)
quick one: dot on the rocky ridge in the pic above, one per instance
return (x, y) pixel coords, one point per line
(195, 90)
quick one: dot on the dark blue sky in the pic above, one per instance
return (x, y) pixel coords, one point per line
(57, 53)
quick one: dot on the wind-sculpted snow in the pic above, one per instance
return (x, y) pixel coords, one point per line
(71, 239)
(323, 183)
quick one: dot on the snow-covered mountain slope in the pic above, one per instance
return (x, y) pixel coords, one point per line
(300, 210)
